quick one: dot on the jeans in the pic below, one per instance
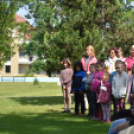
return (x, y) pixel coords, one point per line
(79, 99)
(91, 106)
(94, 103)
(114, 124)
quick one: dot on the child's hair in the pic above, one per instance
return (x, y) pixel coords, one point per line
(118, 62)
(68, 61)
(107, 74)
(92, 65)
(120, 48)
(115, 50)
(132, 69)
(103, 66)
(98, 63)
(90, 47)
(79, 64)
(121, 62)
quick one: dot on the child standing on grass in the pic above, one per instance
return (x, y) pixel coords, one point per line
(87, 80)
(104, 97)
(78, 87)
(66, 82)
(97, 77)
(119, 87)
(130, 91)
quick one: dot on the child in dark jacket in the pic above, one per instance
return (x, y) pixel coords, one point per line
(104, 97)
(78, 87)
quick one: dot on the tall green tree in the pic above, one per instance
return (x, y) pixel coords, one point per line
(65, 28)
(8, 10)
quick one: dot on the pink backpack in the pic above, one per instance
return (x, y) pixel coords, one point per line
(96, 83)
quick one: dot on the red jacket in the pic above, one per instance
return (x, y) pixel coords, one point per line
(105, 92)
(96, 82)
(129, 63)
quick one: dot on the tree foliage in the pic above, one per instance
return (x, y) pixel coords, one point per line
(8, 10)
(65, 28)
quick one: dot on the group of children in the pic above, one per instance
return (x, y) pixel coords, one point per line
(100, 87)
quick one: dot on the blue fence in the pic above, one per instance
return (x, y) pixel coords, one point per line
(29, 79)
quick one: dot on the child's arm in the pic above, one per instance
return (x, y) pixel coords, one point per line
(126, 83)
(82, 84)
(89, 80)
(61, 80)
(109, 91)
(113, 86)
(84, 79)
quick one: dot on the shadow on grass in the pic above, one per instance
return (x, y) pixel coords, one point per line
(42, 100)
(49, 123)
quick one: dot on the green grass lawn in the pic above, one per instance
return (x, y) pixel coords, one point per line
(36, 109)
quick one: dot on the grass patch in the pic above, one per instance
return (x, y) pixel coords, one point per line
(29, 109)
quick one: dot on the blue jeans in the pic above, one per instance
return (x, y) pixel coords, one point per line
(114, 124)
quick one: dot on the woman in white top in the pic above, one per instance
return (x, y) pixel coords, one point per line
(110, 62)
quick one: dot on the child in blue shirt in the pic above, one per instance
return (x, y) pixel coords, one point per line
(78, 87)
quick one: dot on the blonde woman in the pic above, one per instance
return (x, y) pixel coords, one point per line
(86, 61)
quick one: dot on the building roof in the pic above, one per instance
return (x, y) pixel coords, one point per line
(20, 19)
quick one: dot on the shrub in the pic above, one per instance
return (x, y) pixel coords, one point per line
(35, 82)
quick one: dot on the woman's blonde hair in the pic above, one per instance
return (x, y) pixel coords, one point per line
(68, 61)
(132, 47)
(90, 47)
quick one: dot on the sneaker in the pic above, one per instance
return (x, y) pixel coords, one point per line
(89, 115)
(107, 121)
(75, 114)
(65, 111)
(100, 118)
(95, 119)
(81, 114)
(68, 111)
(103, 120)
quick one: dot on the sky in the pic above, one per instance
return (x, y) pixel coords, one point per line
(22, 12)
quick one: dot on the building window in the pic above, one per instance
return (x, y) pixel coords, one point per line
(8, 69)
(21, 54)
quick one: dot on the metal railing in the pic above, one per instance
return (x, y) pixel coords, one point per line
(29, 79)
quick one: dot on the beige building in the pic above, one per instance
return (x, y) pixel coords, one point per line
(17, 65)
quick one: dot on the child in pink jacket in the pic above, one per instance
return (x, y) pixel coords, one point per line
(104, 97)
(97, 77)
